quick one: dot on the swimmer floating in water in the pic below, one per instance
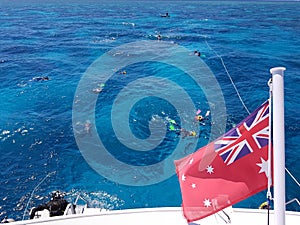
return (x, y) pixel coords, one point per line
(123, 72)
(87, 127)
(197, 53)
(98, 89)
(199, 117)
(173, 126)
(82, 129)
(185, 133)
(165, 15)
(40, 78)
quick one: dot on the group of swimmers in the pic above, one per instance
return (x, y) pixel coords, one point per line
(173, 126)
(100, 86)
(159, 37)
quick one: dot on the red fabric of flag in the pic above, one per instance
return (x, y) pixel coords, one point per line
(227, 170)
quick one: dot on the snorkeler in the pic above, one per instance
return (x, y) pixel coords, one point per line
(165, 15)
(185, 133)
(87, 127)
(199, 118)
(97, 90)
(197, 53)
(83, 129)
(40, 78)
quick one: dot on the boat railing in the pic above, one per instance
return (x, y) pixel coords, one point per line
(74, 208)
(82, 198)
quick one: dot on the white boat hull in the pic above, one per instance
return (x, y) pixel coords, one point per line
(163, 216)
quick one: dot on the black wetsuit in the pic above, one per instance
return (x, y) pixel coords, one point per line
(56, 207)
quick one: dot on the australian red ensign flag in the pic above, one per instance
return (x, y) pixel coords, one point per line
(228, 170)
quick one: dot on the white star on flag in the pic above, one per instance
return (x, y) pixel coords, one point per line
(191, 161)
(183, 177)
(210, 169)
(193, 185)
(207, 203)
(263, 166)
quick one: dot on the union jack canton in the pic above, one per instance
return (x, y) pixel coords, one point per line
(250, 135)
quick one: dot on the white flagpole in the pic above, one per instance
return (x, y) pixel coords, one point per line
(278, 145)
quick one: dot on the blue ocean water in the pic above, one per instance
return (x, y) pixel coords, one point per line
(39, 151)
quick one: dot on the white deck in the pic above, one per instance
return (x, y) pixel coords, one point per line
(163, 216)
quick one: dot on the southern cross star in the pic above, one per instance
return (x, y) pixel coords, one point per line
(191, 161)
(210, 169)
(263, 166)
(207, 203)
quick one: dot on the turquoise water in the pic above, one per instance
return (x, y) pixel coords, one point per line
(61, 40)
